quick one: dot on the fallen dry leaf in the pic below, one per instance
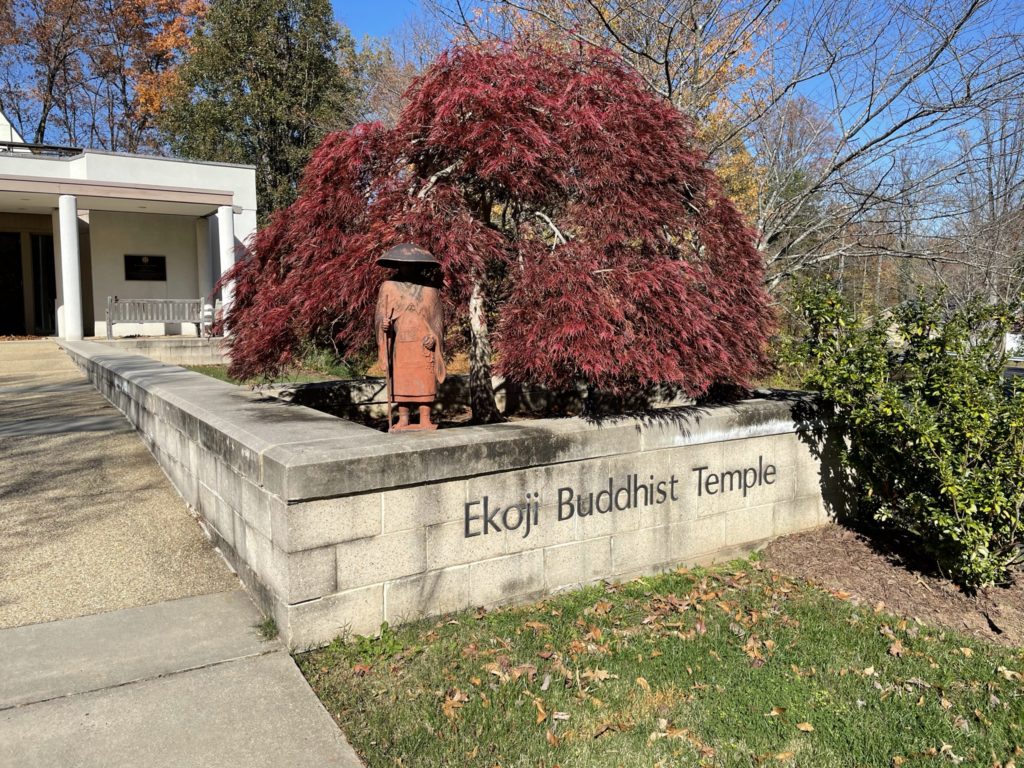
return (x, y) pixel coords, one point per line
(947, 750)
(896, 649)
(495, 669)
(642, 682)
(805, 727)
(1009, 674)
(527, 670)
(541, 714)
(453, 701)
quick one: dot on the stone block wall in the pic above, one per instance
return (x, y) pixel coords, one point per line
(335, 527)
(174, 350)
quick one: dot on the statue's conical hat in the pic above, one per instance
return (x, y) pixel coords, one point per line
(406, 253)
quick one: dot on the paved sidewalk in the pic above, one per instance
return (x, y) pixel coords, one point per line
(182, 683)
(88, 521)
(128, 640)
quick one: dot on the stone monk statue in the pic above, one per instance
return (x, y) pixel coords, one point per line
(410, 334)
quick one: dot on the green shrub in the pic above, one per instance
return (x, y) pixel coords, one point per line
(929, 432)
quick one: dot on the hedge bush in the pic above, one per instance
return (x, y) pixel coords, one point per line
(930, 432)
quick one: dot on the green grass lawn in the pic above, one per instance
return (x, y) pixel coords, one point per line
(220, 372)
(311, 366)
(733, 666)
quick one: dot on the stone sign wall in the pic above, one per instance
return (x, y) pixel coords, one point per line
(335, 527)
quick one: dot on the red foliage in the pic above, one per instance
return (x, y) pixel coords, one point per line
(621, 261)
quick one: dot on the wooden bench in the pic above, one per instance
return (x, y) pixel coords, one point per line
(152, 311)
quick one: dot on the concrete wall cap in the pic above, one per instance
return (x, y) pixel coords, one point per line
(305, 454)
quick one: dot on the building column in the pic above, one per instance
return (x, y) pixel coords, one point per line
(226, 249)
(70, 268)
(204, 266)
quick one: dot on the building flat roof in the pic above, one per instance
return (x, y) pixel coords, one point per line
(76, 153)
(34, 194)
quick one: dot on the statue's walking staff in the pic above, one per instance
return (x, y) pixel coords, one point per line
(390, 368)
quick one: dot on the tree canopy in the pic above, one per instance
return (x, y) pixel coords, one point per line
(91, 72)
(265, 81)
(548, 179)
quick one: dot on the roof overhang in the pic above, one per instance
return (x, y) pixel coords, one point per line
(33, 194)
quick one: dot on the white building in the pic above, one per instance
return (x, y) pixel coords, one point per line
(79, 226)
(1014, 344)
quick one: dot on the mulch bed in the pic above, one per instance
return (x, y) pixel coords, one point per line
(846, 562)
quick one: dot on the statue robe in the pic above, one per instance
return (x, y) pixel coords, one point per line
(417, 317)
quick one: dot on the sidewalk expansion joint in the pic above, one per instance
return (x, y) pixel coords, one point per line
(162, 675)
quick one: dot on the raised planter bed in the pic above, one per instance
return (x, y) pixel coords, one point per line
(336, 527)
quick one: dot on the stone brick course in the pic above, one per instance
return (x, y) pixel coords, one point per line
(335, 527)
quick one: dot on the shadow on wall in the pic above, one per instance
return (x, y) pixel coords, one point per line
(820, 430)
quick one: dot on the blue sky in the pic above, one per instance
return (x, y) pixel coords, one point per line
(374, 17)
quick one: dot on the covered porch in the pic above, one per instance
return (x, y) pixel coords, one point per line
(67, 245)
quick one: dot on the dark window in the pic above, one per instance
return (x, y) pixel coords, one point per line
(44, 284)
(12, 300)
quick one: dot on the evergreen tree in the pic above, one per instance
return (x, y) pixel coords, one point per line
(264, 83)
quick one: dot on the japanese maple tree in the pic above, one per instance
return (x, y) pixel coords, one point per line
(557, 193)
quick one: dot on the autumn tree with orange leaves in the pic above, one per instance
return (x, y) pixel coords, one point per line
(91, 73)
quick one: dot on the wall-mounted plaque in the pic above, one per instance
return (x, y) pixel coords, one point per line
(145, 267)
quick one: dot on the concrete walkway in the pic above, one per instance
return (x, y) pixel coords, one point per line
(88, 521)
(181, 683)
(129, 641)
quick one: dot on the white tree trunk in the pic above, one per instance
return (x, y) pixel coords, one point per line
(481, 391)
